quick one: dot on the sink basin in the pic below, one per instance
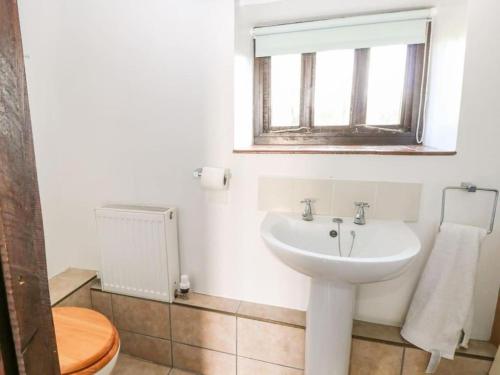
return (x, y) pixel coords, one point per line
(337, 257)
(382, 249)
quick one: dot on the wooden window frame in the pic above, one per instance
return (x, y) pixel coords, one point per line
(357, 132)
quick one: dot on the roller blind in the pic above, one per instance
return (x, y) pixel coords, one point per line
(342, 33)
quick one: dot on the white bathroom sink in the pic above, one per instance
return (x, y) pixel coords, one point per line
(382, 249)
(337, 262)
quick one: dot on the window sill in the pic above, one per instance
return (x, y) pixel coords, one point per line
(416, 150)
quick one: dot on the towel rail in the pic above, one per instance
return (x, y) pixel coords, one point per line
(471, 188)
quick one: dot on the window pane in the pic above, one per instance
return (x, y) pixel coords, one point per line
(333, 86)
(385, 85)
(286, 71)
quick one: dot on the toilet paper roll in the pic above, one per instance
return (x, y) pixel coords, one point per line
(214, 178)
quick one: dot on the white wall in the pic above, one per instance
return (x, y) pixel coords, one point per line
(128, 97)
(445, 77)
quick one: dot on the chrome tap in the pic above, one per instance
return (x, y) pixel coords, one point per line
(307, 214)
(360, 218)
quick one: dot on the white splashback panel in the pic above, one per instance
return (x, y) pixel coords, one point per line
(139, 252)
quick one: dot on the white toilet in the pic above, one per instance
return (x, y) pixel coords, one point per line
(87, 342)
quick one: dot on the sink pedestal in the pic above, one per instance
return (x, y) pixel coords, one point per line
(384, 249)
(329, 327)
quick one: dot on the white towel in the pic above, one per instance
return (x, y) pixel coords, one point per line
(441, 310)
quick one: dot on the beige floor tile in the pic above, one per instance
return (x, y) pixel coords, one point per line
(209, 302)
(272, 313)
(142, 316)
(203, 361)
(80, 298)
(270, 342)
(415, 363)
(373, 358)
(203, 328)
(248, 366)
(102, 302)
(145, 347)
(128, 365)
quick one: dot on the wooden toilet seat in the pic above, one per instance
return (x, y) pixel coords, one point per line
(86, 340)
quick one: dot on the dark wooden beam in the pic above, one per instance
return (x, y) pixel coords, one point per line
(359, 98)
(8, 361)
(22, 252)
(307, 90)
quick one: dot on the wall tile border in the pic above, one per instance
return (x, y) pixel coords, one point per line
(367, 335)
(388, 200)
(361, 330)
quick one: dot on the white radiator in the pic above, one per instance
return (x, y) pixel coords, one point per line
(139, 251)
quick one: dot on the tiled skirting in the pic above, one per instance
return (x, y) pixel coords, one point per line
(217, 336)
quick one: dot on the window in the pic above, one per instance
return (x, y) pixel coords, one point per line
(363, 83)
(285, 83)
(333, 84)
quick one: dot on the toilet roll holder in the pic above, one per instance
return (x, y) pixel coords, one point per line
(198, 172)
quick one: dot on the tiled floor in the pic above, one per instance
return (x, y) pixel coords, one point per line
(128, 365)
